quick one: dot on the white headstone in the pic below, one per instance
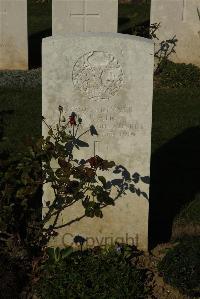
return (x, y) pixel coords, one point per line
(13, 35)
(180, 18)
(69, 16)
(107, 79)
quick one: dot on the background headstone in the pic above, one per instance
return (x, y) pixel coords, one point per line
(180, 18)
(118, 102)
(70, 16)
(13, 35)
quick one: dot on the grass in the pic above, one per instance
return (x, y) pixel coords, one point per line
(190, 213)
(180, 267)
(25, 117)
(174, 110)
(39, 16)
(133, 14)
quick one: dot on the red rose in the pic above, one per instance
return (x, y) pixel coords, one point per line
(72, 120)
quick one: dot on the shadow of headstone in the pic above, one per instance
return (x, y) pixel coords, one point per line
(175, 180)
(35, 48)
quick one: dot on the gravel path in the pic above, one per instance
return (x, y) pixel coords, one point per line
(21, 79)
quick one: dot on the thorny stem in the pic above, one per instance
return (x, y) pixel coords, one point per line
(81, 217)
(76, 130)
(50, 128)
(83, 133)
(59, 118)
(70, 222)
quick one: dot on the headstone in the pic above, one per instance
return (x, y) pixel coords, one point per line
(13, 35)
(180, 18)
(107, 79)
(69, 16)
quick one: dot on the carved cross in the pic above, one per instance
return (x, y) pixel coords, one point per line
(183, 11)
(84, 15)
(198, 12)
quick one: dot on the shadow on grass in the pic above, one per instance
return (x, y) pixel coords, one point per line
(175, 180)
(35, 48)
(3, 115)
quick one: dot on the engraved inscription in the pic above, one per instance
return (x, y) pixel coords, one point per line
(3, 13)
(98, 75)
(183, 11)
(113, 122)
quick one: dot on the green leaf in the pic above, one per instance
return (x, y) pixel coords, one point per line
(89, 212)
(48, 139)
(86, 201)
(93, 130)
(79, 120)
(59, 173)
(50, 253)
(57, 254)
(98, 213)
(80, 143)
(66, 252)
(109, 201)
(24, 203)
(50, 133)
(20, 193)
(102, 180)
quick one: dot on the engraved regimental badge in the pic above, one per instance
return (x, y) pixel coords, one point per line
(98, 75)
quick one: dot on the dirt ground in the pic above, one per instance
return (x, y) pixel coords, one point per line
(161, 290)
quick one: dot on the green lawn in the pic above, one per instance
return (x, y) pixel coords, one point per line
(25, 117)
(131, 15)
(39, 16)
(174, 110)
